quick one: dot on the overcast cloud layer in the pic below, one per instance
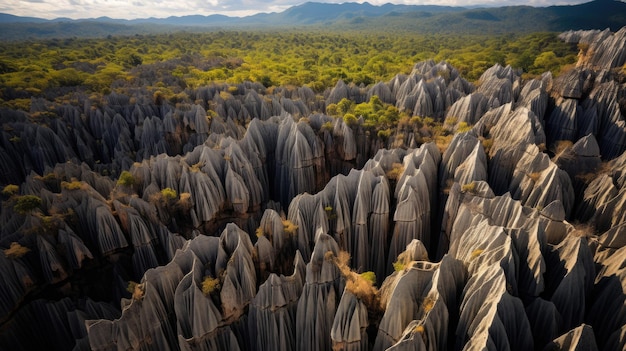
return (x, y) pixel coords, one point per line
(164, 8)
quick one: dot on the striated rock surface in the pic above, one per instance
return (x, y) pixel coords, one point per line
(225, 232)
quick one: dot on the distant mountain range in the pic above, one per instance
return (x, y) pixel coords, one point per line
(598, 14)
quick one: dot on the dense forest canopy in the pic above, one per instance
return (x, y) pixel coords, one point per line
(318, 59)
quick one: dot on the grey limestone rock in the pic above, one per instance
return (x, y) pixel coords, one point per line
(574, 83)
(511, 133)
(562, 124)
(569, 279)
(497, 85)
(272, 315)
(537, 181)
(349, 326)
(580, 338)
(320, 297)
(403, 294)
(491, 318)
(468, 109)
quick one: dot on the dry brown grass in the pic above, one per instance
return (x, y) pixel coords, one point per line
(16, 251)
(442, 142)
(360, 285)
(184, 201)
(534, 176)
(137, 290)
(476, 253)
(560, 147)
(428, 304)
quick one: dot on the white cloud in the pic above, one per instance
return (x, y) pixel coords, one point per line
(165, 8)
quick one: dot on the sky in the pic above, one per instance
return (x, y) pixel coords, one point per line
(164, 8)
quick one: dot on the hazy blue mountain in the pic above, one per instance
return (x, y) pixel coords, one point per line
(598, 14)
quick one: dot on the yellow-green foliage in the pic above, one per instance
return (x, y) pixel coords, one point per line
(16, 251)
(332, 110)
(396, 171)
(330, 212)
(73, 185)
(169, 194)
(259, 232)
(10, 189)
(26, 203)
(210, 285)
(469, 187)
(126, 179)
(271, 57)
(450, 120)
(463, 127)
(487, 144)
(289, 227)
(369, 276)
(384, 134)
(327, 126)
(350, 119)
(399, 265)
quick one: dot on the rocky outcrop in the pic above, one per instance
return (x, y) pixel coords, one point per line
(219, 224)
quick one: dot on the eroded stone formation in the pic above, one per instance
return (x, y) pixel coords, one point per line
(150, 226)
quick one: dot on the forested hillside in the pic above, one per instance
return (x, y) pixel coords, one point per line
(170, 63)
(388, 18)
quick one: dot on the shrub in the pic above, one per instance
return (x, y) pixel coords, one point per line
(469, 187)
(73, 185)
(126, 179)
(184, 202)
(361, 285)
(384, 134)
(136, 289)
(396, 171)
(26, 204)
(463, 127)
(399, 265)
(451, 120)
(169, 194)
(16, 251)
(332, 110)
(487, 144)
(10, 189)
(327, 126)
(350, 119)
(259, 232)
(210, 285)
(369, 276)
(289, 227)
(428, 304)
(442, 142)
